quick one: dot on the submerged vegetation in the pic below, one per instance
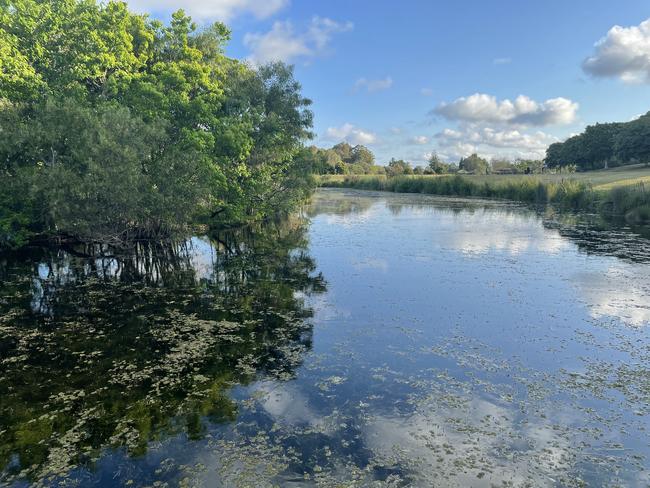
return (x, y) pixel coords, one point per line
(631, 201)
(118, 351)
(114, 126)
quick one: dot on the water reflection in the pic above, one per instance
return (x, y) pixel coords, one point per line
(103, 349)
(458, 343)
(620, 291)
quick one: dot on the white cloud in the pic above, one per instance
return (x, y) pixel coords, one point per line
(373, 85)
(213, 9)
(351, 134)
(492, 142)
(499, 138)
(498, 61)
(283, 43)
(426, 92)
(522, 111)
(623, 53)
(421, 140)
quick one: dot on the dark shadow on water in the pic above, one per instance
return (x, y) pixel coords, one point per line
(101, 349)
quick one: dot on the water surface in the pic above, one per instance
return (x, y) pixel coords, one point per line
(379, 340)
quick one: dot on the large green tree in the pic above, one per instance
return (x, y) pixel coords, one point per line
(633, 143)
(604, 145)
(114, 124)
(474, 164)
(436, 165)
(398, 167)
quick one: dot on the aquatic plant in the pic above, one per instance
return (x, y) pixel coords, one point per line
(120, 350)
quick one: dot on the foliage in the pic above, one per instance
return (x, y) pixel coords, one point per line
(340, 159)
(474, 164)
(518, 166)
(437, 166)
(114, 125)
(398, 167)
(529, 166)
(604, 145)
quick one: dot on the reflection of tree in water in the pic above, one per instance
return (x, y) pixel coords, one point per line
(350, 202)
(339, 202)
(121, 350)
(593, 235)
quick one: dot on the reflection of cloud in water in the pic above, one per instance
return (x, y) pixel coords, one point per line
(287, 405)
(483, 231)
(622, 291)
(463, 225)
(478, 445)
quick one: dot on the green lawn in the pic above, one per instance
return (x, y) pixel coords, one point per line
(600, 179)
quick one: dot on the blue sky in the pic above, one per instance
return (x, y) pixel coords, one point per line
(501, 78)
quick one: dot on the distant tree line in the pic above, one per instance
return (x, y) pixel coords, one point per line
(344, 159)
(341, 159)
(604, 146)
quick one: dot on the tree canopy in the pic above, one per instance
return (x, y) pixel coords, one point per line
(437, 165)
(341, 159)
(604, 145)
(474, 164)
(113, 124)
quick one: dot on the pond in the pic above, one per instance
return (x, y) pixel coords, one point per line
(373, 340)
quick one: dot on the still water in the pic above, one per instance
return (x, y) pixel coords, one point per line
(374, 340)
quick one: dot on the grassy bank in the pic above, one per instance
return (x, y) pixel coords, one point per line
(613, 193)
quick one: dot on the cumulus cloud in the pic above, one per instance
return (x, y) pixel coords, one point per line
(351, 134)
(373, 85)
(223, 10)
(523, 110)
(490, 141)
(283, 43)
(623, 53)
(499, 138)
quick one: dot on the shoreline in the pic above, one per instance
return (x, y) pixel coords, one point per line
(630, 202)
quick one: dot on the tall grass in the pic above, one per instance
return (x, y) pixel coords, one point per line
(631, 201)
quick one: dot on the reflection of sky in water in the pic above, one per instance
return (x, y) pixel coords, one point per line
(472, 347)
(495, 296)
(457, 344)
(621, 291)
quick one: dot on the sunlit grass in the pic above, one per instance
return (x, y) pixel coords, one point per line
(601, 179)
